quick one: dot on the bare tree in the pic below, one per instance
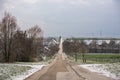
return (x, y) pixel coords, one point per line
(104, 47)
(35, 32)
(21, 46)
(83, 50)
(75, 46)
(112, 45)
(8, 27)
(17, 44)
(35, 35)
(93, 46)
(71, 47)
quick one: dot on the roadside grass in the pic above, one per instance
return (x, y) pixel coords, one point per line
(97, 58)
(104, 58)
(7, 71)
(80, 61)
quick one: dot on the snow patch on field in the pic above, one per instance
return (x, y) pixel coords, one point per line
(110, 70)
(34, 69)
(18, 71)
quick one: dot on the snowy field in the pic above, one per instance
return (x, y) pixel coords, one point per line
(18, 71)
(109, 70)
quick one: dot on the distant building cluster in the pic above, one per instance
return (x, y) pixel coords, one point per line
(50, 46)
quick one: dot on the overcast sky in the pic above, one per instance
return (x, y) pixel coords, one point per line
(68, 18)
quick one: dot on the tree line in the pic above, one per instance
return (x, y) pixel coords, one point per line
(17, 44)
(75, 46)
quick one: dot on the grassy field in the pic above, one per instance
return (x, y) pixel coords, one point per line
(9, 70)
(98, 58)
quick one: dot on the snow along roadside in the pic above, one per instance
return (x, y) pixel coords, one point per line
(34, 69)
(102, 69)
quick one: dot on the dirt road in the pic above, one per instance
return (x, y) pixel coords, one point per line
(63, 70)
(58, 66)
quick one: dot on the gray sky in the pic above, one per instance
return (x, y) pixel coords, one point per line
(68, 18)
